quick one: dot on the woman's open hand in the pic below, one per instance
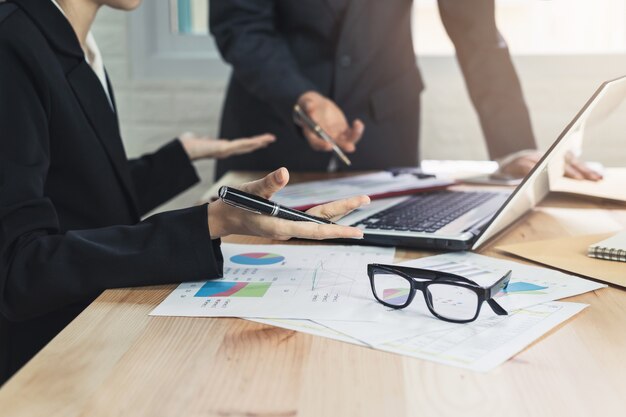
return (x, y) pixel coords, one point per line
(225, 220)
(199, 147)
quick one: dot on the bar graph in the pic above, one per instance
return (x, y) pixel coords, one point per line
(233, 289)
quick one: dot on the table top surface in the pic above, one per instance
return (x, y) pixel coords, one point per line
(114, 359)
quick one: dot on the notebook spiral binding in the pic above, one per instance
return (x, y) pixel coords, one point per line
(611, 254)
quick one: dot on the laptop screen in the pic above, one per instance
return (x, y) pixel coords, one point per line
(607, 98)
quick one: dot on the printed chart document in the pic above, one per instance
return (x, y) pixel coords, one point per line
(529, 286)
(325, 291)
(310, 327)
(377, 185)
(282, 281)
(485, 344)
(479, 346)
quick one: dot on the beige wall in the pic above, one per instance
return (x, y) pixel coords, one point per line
(152, 112)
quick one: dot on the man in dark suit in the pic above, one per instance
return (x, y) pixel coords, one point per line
(351, 64)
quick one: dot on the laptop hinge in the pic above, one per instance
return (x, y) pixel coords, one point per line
(478, 227)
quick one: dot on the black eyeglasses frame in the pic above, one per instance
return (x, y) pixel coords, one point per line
(420, 279)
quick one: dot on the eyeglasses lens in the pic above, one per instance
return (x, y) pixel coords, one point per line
(392, 289)
(453, 302)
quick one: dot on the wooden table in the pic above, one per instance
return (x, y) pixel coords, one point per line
(115, 360)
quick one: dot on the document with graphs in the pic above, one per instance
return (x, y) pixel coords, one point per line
(282, 281)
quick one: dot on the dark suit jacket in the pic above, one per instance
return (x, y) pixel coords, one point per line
(363, 59)
(70, 202)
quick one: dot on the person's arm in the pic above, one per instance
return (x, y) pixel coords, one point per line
(162, 175)
(246, 35)
(42, 267)
(489, 74)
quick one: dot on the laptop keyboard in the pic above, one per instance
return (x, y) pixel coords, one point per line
(426, 212)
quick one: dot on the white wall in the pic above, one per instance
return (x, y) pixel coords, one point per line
(152, 112)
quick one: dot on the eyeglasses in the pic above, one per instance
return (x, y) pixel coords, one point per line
(448, 296)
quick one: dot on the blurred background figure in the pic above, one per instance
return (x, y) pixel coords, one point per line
(351, 66)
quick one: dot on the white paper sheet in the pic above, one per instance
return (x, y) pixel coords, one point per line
(529, 285)
(331, 283)
(479, 346)
(485, 344)
(281, 281)
(310, 327)
(282, 285)
(376, 333)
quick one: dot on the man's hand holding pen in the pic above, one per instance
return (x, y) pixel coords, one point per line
(331, 119)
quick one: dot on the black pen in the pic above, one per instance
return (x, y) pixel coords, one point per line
(260, 205)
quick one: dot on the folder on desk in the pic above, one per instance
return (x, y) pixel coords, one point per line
(570, 254)
(611, 187)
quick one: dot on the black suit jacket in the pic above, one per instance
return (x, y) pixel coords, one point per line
(70, 201)
(362, 57)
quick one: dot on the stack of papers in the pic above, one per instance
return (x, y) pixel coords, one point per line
(325, 290)
(377, 185)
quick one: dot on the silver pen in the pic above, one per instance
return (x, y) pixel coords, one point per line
(303, 120)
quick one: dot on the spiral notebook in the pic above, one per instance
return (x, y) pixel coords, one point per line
(612, 249)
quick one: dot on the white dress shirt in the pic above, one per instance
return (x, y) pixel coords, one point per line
(93, 58)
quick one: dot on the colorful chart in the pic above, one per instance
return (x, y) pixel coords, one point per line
(524, 288)
(233, 289)
(257, 258)
(395, 296)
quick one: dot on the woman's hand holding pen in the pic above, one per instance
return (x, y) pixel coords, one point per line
(329, 117)
(225, 220)
(199, 147)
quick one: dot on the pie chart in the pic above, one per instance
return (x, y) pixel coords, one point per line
(257, 258)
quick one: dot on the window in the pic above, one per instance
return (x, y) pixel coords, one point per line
(170, 38)
(189, 17)
(537, 27)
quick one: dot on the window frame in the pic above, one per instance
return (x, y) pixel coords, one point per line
(531, 49)
(159, 54)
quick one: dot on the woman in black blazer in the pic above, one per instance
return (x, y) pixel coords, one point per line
(70, 201)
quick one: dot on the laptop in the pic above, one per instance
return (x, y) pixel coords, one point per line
(464, 220)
